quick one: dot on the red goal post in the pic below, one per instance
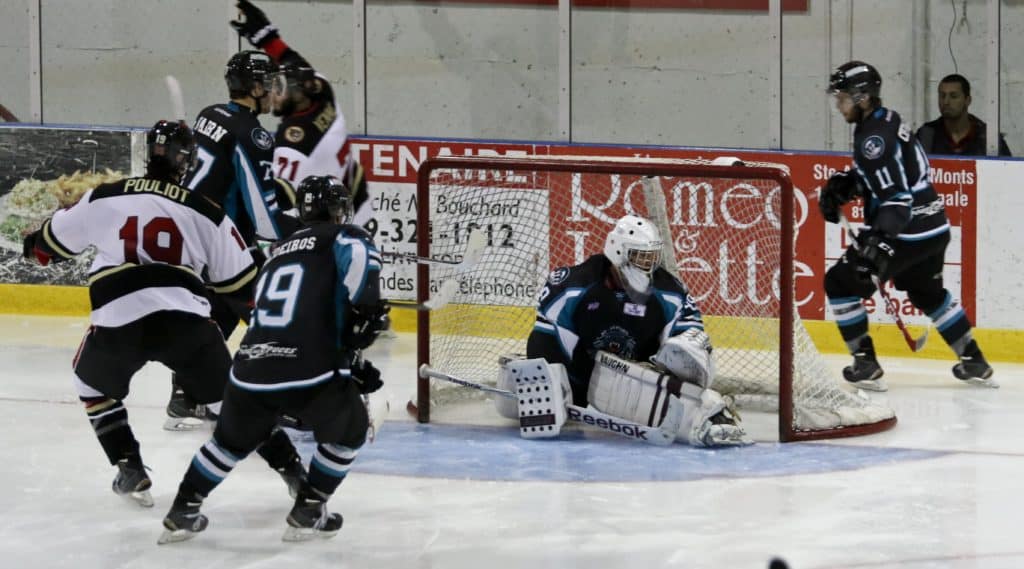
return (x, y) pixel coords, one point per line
(542, 212)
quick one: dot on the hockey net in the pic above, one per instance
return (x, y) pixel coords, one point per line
(730, 235)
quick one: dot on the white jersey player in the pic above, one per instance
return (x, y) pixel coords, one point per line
(153, 239)
(598, 319)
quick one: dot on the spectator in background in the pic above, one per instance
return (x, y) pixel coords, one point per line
(6, 116)
(956, 131)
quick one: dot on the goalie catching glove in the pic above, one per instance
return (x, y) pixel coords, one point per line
(688, 357)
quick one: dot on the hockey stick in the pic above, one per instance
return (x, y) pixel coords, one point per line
(474, 248)
(654, 197)
(444, 295)
(588, 416)
(446, 292)
(915, 344)
(177, 100)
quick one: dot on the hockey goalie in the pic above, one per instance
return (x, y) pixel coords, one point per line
(623, 343)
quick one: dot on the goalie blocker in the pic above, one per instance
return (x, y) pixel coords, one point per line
(626, 398)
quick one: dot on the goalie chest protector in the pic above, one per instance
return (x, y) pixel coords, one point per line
(581, 300)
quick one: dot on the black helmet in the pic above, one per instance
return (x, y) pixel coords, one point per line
(245, 70)
(169, 146)
(856, 78)
(323, 198)
(295, 75)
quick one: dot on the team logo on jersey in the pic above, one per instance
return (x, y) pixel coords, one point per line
(633, 309)
(262, 138)
(558, 275)
(616, 340)
(873, 147)
(294, 134)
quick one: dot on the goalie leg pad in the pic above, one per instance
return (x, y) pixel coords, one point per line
(630, 390)
(540, 392)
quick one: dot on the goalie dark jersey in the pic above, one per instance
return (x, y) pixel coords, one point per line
(581, 312)
(304, 300)
(899, 198)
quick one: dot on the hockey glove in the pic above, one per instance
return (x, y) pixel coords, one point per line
(28, 245)
(367, 324)
(876, 252)
(30, 251)
(254, 25)
(367, 376)
(840, 189)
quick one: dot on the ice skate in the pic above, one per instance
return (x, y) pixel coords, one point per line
(132, 482)
(183, 521)
(310, 519)
(183, 414)
(865, 372)
(975, 371)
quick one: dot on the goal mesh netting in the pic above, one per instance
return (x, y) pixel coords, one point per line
(728, 229)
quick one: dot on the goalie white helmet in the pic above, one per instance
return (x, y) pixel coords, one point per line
(634, 248)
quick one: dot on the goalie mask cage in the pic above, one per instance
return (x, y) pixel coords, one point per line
(730, 235)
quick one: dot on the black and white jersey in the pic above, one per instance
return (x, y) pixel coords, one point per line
(900, 200)
(304, 300)
(584, 312)
(314, 142)
(153, 240)
(232, 166)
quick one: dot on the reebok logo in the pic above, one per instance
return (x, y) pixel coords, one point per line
(635, 431)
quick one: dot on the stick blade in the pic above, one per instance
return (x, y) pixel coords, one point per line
(177, 100)
(474, 248)
(444, 295)
(920, 342)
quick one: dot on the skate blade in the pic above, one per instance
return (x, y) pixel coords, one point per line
(982, 382)
(182, 424)
(877, 385)
(144, 498)
(174, 536)
(293, 534)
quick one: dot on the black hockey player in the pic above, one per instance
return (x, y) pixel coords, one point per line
(625, 303)
(905, 235)
(153, 239)
(317, 306)
(312, 139)
(232, 167)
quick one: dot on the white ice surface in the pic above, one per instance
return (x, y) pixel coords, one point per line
(943, 489)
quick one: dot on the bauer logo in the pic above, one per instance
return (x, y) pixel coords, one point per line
(873, 147)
